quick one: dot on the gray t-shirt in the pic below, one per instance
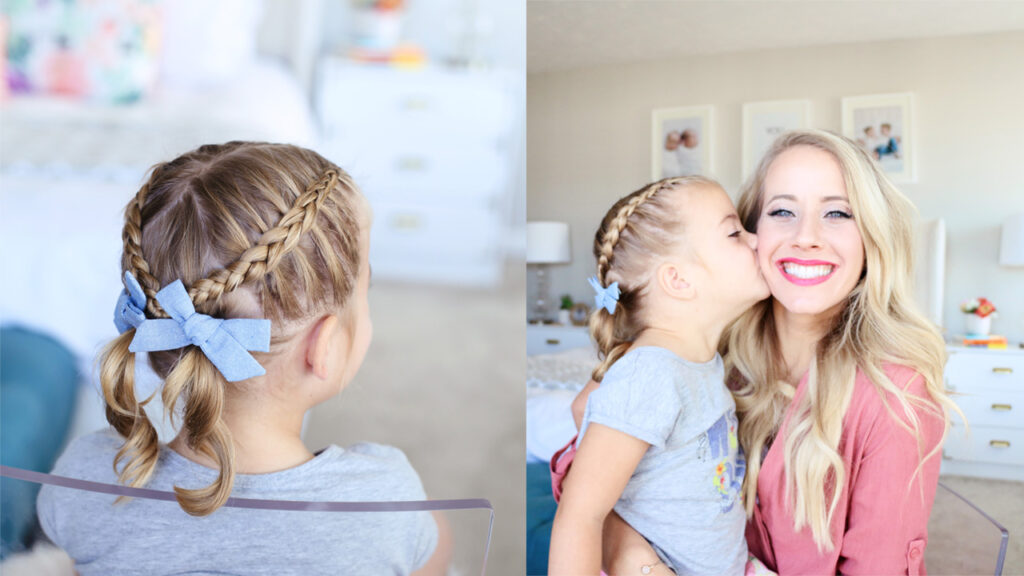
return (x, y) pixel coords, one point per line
(152, 537)
(684, 496)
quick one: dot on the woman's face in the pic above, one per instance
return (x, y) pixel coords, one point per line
(809, 247)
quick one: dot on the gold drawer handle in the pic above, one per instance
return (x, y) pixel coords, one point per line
(554, 341)
(406, 222)
(999, 444)
(998, 370)
(411, 164)
(1002, 407)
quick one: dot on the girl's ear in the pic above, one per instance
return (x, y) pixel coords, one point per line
(321, 343)
(673, 279)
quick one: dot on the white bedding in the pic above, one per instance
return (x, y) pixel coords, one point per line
(552, 381)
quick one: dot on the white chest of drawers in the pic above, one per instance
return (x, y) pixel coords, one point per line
(430, 148)
(988, 385)
(551, 338)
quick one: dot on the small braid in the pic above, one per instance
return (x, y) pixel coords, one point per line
(265, 255)
(132, 238)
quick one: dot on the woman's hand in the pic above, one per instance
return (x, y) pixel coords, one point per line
(579, 403)
(626, 552)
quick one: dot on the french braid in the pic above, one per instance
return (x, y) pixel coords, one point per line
(214, 201)
(636, 228)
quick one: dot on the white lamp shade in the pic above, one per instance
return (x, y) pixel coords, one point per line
(1011, 251)
(547, 243)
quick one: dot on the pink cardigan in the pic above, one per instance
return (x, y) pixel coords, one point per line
(880, 523)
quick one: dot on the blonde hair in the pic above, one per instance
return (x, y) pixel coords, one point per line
(637, 228)
(878, 323)
(253, 230)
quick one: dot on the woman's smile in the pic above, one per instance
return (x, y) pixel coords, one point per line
(805, 272)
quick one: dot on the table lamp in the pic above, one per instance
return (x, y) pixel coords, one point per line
(547, 243)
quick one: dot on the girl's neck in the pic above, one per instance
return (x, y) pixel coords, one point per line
(265, 439)
(692, 344)
(798, 337)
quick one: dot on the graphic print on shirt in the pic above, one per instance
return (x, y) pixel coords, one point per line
(731, 464)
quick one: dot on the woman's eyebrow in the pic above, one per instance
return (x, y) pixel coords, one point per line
(793, 198)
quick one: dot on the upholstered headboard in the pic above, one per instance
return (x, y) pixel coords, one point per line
(930, 267)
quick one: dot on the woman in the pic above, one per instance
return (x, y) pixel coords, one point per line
(837, 377)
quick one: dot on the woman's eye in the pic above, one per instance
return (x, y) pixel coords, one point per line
(780, 212)
(838, 214)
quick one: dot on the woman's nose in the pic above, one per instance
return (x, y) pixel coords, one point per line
(808, 235)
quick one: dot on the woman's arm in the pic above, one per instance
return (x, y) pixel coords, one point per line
(626, 552)
(600, 471)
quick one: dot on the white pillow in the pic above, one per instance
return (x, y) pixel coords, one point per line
(207, 43)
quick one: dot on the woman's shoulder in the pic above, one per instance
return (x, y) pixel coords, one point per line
(876, 407)
(904, 378)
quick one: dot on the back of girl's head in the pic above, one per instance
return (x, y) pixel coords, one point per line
(636, 230)
(252, 230)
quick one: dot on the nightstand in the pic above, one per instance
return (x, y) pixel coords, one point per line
(550, 338)
(430, 149)
(988, 385)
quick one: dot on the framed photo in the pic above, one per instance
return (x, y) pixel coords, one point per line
(579, 313)
(681, 142)
(763, 122)
(883, 125)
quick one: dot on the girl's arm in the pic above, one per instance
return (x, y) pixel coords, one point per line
(627, 552)
(600, 471)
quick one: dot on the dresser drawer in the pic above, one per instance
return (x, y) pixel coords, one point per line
(995, 445)
(551, 339)
(433, 233)
(969, 370)
(991, 408)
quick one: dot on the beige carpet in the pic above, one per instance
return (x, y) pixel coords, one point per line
(444, 381)
(961, 541)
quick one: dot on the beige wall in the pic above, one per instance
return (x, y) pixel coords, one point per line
(588, 140)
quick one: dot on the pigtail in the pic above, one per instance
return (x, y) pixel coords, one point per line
(141, 447)
(202, 385)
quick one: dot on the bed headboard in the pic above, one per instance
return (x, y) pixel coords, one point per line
(930, 267)
(291, 31)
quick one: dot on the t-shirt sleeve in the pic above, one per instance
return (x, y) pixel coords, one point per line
(638, 397)
(891, 498)
(406, 485)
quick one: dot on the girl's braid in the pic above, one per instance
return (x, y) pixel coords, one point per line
(265, 255)
(618, 224)
(132, 238)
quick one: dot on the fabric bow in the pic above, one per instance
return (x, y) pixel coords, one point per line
(225, 342)
(605, 298)
(131, 305)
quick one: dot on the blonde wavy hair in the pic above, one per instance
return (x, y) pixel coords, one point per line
(635, 230)
(878, 323)
(253, 230)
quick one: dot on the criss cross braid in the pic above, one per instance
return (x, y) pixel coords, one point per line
(618, 224)
(254, 263)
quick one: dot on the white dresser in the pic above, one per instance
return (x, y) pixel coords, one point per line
(550, 338)
(988, 385)
(430, 148)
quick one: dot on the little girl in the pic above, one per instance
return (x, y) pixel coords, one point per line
(658, 440)
(246, 274)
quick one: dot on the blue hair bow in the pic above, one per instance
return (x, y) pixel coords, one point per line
(225, 342)
(605, 298)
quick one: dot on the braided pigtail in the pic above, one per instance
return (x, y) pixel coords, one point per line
(636, 229)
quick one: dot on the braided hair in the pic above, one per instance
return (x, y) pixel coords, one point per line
(637, 228)
(253, 230)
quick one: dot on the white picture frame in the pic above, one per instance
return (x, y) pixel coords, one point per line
(883, 124)
(682, 141)
(763, 122)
